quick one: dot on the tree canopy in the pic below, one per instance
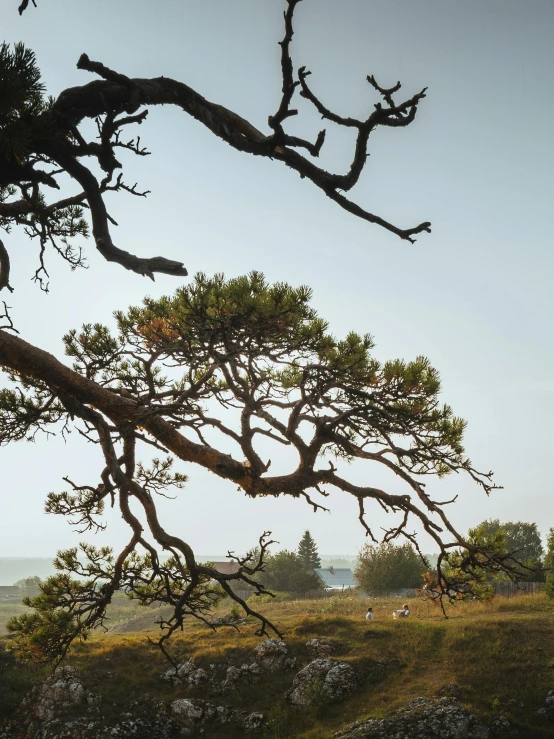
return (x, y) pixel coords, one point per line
(286, 572)
(220, 364)
(389, 567)
(520, 537)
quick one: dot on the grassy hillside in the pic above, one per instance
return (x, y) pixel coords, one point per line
(499, 651)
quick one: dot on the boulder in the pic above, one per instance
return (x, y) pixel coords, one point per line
(186, 673)
(326, 680)
(193, 716)
(500, 727)
(319, 649)
(254, 722)
(272, 656)
(229, 619)
(547, 710)
(422, 718)
(235, 676)
(187, 711)
(56, 695)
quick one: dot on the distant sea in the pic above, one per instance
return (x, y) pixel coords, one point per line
(13, 569)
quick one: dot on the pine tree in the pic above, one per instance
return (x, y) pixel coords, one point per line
(307, 551)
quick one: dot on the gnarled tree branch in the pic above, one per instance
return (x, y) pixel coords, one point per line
(117, 100)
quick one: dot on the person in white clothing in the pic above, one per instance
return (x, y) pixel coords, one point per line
(403, 612)
(369, 614)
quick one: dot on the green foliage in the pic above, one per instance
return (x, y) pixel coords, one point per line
(21, 100)
(26, 410)
(307, 551)
(273, 330)
(388, 567)
(286, 571)
(217, 351)
(68, 609)
(549, 564)
(518, 538)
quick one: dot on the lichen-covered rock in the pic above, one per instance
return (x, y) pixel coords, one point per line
(186, 673)
(325, 680)
(548, 709)
(143, 719)
(500, 727)
(235, 676)
(187, 712)
(254, 722)
(319, 649)
(273, 656)
(422, 718)
(194, 716)
(229, 619)
(134, 728)
(56, 696)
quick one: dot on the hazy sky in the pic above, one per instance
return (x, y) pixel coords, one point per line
(475, 296)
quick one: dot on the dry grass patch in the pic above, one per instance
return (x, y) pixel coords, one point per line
(499, 651)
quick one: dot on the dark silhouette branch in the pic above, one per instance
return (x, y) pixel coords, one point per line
(116, 101)
(4, 268)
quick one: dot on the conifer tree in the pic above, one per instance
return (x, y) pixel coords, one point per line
(240, 343)
(229, 344)
(307, 551)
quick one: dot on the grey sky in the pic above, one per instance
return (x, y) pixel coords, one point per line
(474, 296)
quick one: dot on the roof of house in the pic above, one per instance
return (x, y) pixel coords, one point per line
(226, 568)
(336, 577)
(9, 590)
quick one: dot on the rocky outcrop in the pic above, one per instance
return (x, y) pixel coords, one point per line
(323, 680)
(57, 695)
(318, 649)
(547, 710)
(60, 708)
(425, 718)
(187, 674)
(501, 728)
(193, 716)
(229, 619)
(236, 676)
(272, 656)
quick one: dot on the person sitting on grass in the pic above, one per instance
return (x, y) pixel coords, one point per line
(403, 612)
(369, 614)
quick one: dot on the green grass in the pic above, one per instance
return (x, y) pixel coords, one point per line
(499, 651)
